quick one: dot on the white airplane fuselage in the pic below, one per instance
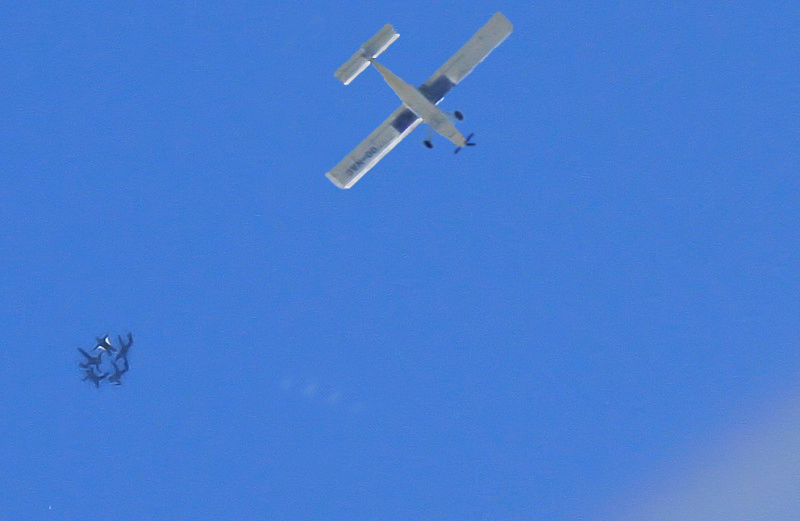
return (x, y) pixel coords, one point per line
(419, 105)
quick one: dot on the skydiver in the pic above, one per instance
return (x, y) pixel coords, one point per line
(90, 360)
(104, 344)
(115, 379)
(123, 347)
(94, 377)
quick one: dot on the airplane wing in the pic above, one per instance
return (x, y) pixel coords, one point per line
(470, 54)
(402, 121)
(371, 150)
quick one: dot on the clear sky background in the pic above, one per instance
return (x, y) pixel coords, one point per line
(593, 314)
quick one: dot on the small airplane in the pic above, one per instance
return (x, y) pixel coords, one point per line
(123, 347)
(90, 360)
(104, 344)
(94, 377)
(419, 104)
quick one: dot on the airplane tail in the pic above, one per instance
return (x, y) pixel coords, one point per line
(372, 48)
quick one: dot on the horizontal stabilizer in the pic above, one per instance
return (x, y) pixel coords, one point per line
(372, 48)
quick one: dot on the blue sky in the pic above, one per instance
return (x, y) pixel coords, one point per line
(595, 306)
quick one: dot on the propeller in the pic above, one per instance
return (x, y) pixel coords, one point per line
(466, 143)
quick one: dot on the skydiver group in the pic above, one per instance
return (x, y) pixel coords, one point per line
(109, 364)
